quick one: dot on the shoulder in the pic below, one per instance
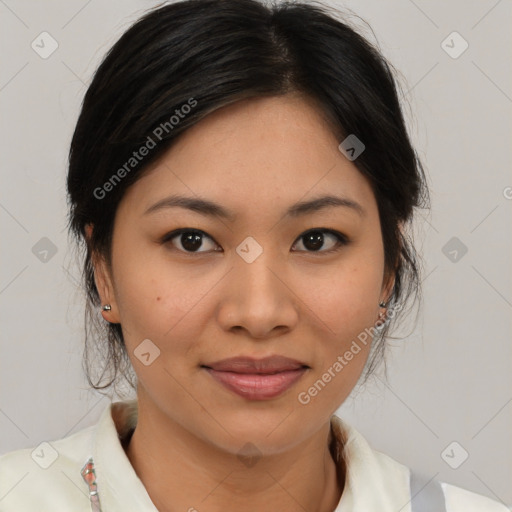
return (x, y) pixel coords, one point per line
(376, 481)
(31, 478)
(458, 499)
(442, 496)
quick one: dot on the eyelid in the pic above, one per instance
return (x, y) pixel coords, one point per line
(342, 239)
(176, 232)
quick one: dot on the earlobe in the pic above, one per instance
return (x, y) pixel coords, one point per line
(388, 284)
(386, 295)
(104, 284)
(105, 288)
(387, 288)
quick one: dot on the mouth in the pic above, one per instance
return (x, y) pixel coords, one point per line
(257, 379)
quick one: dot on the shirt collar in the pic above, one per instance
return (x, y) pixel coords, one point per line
(119, 487)
(373, 481)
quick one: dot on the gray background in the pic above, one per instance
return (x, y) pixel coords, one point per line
(450, 380)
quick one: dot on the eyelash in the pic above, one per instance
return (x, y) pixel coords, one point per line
(342, 240)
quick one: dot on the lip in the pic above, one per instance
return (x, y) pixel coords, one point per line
(266, 365)
(257, 379)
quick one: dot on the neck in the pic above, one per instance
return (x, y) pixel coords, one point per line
(183, 472)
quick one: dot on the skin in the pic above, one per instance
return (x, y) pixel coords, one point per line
(256, 157)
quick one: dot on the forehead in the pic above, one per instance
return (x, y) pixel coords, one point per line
(258, 154)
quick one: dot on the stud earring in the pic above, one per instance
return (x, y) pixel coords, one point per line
(107, 307)
(382, 314)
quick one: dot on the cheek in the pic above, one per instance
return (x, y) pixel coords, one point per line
(160, 301)
(346, 301)
(345, 309)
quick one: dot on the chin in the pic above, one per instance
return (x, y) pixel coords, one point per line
(270, 432)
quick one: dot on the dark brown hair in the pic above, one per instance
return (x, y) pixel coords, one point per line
(208, 54)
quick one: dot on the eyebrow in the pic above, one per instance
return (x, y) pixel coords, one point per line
(212, 209)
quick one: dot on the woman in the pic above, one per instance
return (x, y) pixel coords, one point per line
(243, 181)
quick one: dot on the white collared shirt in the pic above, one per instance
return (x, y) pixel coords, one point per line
(49, 479)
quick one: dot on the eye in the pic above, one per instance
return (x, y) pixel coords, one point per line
(189, 239)
(314, 239)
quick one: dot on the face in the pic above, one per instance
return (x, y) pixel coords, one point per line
(262, 281)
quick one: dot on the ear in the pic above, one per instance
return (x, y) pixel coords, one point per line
(390, 274)
(104, 282)
(387, 286)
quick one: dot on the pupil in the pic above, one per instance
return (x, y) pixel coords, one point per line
(191, 241)
(314, 240)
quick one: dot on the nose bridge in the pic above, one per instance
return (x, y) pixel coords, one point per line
(257, 265)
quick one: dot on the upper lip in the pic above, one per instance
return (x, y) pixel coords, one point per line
(243, 364)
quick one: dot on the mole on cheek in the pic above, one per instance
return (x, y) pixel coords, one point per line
(158, 298)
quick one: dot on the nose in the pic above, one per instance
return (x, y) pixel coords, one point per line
(257, 299)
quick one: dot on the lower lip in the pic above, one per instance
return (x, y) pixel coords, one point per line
(257, 386)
